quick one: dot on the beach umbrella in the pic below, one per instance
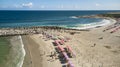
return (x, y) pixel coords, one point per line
(116, 29)
(70, 64)
(56, 42)
(61, 41)
(61, 48)
(70, 49)
(66, 56)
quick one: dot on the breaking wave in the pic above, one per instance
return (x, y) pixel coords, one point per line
(90, 25)
(22, 52)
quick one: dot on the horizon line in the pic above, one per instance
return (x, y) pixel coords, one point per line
(59, 10)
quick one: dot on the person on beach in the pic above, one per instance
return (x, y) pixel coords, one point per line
(54, 55)
(51, 55)
(94, 45)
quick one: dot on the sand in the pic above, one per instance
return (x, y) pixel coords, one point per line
(93, 48)
(32, 58)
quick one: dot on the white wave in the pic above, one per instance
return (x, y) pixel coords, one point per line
(23, 53)
(93, 25)
(74, 17)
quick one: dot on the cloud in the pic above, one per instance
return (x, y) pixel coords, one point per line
(29, 5)
(97, 4)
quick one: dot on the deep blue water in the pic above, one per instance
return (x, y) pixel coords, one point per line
(46, 18)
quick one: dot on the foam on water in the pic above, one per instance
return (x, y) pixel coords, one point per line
(74, 17)
(92, 25)
(17, 53)
(23, 53)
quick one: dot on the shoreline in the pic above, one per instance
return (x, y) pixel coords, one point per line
(39, 29)
(20, 64)
(106, 48)
(104, 22)
(32, 53)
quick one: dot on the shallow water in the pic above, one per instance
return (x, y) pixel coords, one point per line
(4, 50)
(16, 55)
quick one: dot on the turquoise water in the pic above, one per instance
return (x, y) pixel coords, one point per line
(48, 18)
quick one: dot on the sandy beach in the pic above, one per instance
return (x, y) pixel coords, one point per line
(32, 58)
(93, 48)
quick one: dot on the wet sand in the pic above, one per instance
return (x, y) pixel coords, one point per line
(32, 58)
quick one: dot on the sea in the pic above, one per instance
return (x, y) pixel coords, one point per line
(29, 18)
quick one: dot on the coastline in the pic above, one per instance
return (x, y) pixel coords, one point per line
(27, 58)
(104, 22)
(98, 42)
(20, 64)
(106, 48)
(32, 53)
(39, 29)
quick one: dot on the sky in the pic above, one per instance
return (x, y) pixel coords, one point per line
(59, 4)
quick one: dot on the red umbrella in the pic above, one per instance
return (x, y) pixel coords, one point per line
(115, 30)
(61, 41)
(61, 48)
(56, 41)
(70, 49)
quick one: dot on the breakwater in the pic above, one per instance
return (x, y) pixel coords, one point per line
(31, 30)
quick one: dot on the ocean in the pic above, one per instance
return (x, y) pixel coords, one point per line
(14, 18)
